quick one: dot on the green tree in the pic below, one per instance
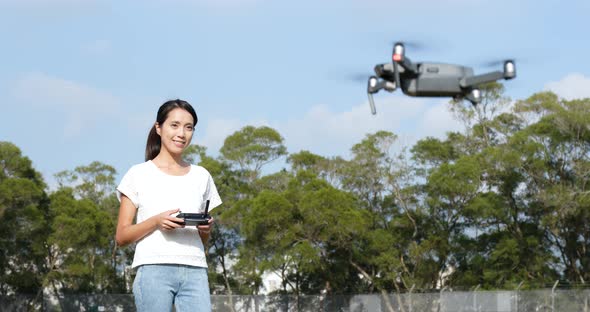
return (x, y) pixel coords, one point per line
(80, 244)
(301, 232)
(94, 182)
(329, 169)
(478, 186)
(555, 150)
(92, 190)
(23, 224)
(224, 241)
(247, 150)
(252, 148)
(477, 118)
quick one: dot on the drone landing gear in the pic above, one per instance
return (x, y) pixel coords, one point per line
(373, 86)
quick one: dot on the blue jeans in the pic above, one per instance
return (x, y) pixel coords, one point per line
(159, 286)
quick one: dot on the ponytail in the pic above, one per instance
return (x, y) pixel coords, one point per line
(154, 142)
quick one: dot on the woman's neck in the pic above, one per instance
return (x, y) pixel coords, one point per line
(166, 160)
(171, 166)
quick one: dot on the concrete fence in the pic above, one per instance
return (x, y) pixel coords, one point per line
(546, 300)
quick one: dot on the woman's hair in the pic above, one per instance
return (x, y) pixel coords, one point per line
(154, 142)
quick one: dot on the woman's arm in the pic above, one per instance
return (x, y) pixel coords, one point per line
(128, 233)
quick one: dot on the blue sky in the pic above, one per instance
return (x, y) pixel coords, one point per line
(82, 80)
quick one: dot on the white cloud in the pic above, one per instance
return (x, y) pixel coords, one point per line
(572, 86)
(43, 90)
(436, 121)
(217, 130)
(328, 133)
(80, 104)
(334, 133)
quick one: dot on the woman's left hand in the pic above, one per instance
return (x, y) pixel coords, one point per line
(206, 229)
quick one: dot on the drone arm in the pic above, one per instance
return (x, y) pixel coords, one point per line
(479, 79)
(407, 64)
(396, 71)
(399, 57)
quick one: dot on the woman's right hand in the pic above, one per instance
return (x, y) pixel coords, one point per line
(166, 222)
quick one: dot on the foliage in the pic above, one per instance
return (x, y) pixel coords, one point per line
(252, 147)
(23, 224)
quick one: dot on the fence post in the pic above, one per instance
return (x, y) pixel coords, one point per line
(475, 298)
(553, 296)
(517, 293)
(410, 299)
(440, 297)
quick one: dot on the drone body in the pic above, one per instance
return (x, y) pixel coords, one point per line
(431, 79)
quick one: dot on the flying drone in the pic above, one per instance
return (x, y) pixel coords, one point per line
(431, 79)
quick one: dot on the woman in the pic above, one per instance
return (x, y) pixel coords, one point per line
(169, 257)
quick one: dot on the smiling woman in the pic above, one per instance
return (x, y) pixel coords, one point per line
(177, 109)
(169, 256)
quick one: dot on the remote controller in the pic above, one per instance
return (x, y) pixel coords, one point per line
(196, 218)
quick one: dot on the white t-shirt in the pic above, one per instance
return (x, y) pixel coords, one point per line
(152, 191)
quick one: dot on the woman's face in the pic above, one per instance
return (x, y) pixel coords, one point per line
(177, 131)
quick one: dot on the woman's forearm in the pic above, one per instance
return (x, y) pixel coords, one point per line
(130, 233)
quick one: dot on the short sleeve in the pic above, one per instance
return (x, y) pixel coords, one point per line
(211, 193)
(128, 188)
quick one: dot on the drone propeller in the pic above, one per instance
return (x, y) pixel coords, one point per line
(497, 62)
(411, 44)
(357, 78)
(494, 63)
